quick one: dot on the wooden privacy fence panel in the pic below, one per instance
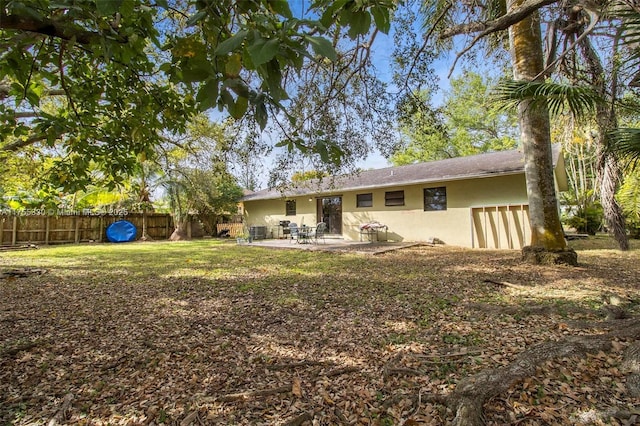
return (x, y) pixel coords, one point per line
(500, 227)
(48, 229)
(235, 229)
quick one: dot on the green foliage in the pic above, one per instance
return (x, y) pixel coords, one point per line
(334, 118)
(88, 88)
(625, 141)
(586, 218)
(477, 125)
(629, 198)
(581, 101)
(308, 175)
(196, 177)
(467, 124)
(425, 130)
(582, 208)
(103, 81)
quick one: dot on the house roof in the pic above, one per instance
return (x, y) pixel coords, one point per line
(476, 166)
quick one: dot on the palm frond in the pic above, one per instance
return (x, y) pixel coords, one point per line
(628, 14)
(581, 101)
(625, 141)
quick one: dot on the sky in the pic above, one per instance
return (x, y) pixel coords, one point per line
(381, 55)
(381, 52)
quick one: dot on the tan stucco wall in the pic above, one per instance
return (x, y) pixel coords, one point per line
(409, 222)
(271, 212)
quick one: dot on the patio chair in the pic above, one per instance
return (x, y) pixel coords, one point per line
(321, 229)
(294, 231)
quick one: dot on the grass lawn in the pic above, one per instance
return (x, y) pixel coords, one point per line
(209, 332)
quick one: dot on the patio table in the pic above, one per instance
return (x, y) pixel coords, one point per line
(306, 234)
(372, 231)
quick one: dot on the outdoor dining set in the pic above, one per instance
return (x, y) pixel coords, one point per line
(307, 234)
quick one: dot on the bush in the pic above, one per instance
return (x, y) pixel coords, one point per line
(629, 198)
(585, 219)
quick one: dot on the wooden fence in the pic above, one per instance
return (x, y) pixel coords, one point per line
(52, 229)
(19, 229)
(235, 229)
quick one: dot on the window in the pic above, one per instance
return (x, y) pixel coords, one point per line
(364, 200)
(435, 198)
(291, 208)
(394, 198)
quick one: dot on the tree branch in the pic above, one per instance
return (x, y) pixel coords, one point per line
(426, 40)
(594, 18)
(19, 144)
(61, 29)
(62, 80)
(24, 114)
(500, 24)
(5, 88)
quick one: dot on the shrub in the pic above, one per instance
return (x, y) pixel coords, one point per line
(585, 219)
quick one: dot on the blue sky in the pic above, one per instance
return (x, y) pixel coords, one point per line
(382, 50)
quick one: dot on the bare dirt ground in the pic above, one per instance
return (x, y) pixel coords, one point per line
(204, 333)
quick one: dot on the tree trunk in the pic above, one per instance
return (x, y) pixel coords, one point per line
(181, 232)
(609, 174)
(546, 230)
(607, 166)
(145, 236)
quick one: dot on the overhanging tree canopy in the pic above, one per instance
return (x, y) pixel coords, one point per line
(103, 80)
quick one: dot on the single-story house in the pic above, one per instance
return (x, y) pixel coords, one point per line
(477, 201)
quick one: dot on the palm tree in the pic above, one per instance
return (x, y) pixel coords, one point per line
(594, 94)
(625, 141)
(528, 63)
(521, 18)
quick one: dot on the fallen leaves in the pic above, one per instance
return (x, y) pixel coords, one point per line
(251, 337)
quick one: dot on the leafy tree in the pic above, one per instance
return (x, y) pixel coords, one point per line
(527, 60)
(204, 193)
(308, 175)
(580, 160)
(104, 80)
(247, 153)
(80, 79)
(196, 176)
(468, 123)
(478, 124)
(339, 110)
(604, 62)
(519, 19)
(424, 132)
(629, 198)
(589, 68)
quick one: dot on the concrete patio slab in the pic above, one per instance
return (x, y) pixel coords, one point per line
(335, 245)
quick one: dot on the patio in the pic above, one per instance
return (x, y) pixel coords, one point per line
(333, 244)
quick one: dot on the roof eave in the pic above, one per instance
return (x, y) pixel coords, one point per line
(386, 185)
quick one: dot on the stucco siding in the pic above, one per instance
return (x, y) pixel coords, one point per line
(410, 222)
(453, 226)
(270, 212)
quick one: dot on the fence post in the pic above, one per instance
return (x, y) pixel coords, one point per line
(14, 231)
(2, 230)
(101, 228)
(166, 226)
(46, 230)
(77, 229)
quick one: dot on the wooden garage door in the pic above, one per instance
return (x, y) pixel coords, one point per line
(500, 227)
